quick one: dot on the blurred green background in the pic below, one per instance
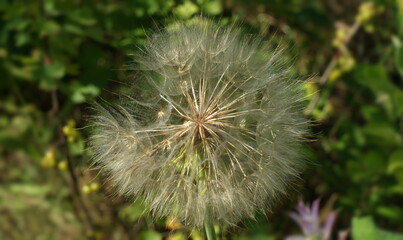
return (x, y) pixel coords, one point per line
(56, 56)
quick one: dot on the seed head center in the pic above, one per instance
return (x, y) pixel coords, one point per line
(199, 119)
(199, 123)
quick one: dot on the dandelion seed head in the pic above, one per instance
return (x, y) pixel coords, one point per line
(214, 134)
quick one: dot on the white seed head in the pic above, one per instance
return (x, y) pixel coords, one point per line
(215, 131)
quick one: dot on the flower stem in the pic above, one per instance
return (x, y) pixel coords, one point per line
(209, 228)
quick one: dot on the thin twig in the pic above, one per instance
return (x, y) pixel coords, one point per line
(330, 67)
(87, 220)
(55, 103)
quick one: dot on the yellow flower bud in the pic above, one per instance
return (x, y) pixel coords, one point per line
(346, 63)
(340, 36)
(49, 160)
(341, 33)
(365, 12)
(172, 224)
(99, 235)
(69, 130)
(335, 74)
(86, 189)
(94, 187)
(310, 88)
(369, 28)
(196, 235)
(62, 165)
(336, 43)
(177, 236)
(323, 114)
(328, 109)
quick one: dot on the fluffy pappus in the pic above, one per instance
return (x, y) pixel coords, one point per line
(213, 131)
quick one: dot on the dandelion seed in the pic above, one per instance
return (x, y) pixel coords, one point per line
(161, 114)
(215, 136)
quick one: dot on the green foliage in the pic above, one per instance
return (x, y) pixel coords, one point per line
(365, 228)
(150, 235)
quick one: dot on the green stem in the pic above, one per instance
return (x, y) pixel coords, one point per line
(209, 228)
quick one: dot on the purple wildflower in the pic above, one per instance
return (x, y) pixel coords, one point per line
(309, 221)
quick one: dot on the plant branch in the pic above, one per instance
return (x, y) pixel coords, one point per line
(330, 67)
(86, 218)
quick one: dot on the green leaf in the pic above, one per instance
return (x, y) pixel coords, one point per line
(81, 93)
(396, 189)
(213, 7)
(391, 212)
(371, 113)
(24, 72)
(83, 16)
(74, 29)
(22, 38)
(77, 147)
(49, 74)
(186, 10)
(364, 228)
(382, 133)
(12, 143)
(395, 165)
(395, 161)
(398, 54)
(48, 28)
(375, 77)
(367, 168)
(178, 236)
(258, 236)
(29, 189)
(133, 212)
(50, 8)
(17, 23)
(150, 235)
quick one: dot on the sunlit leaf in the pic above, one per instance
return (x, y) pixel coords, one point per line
(365, 229)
